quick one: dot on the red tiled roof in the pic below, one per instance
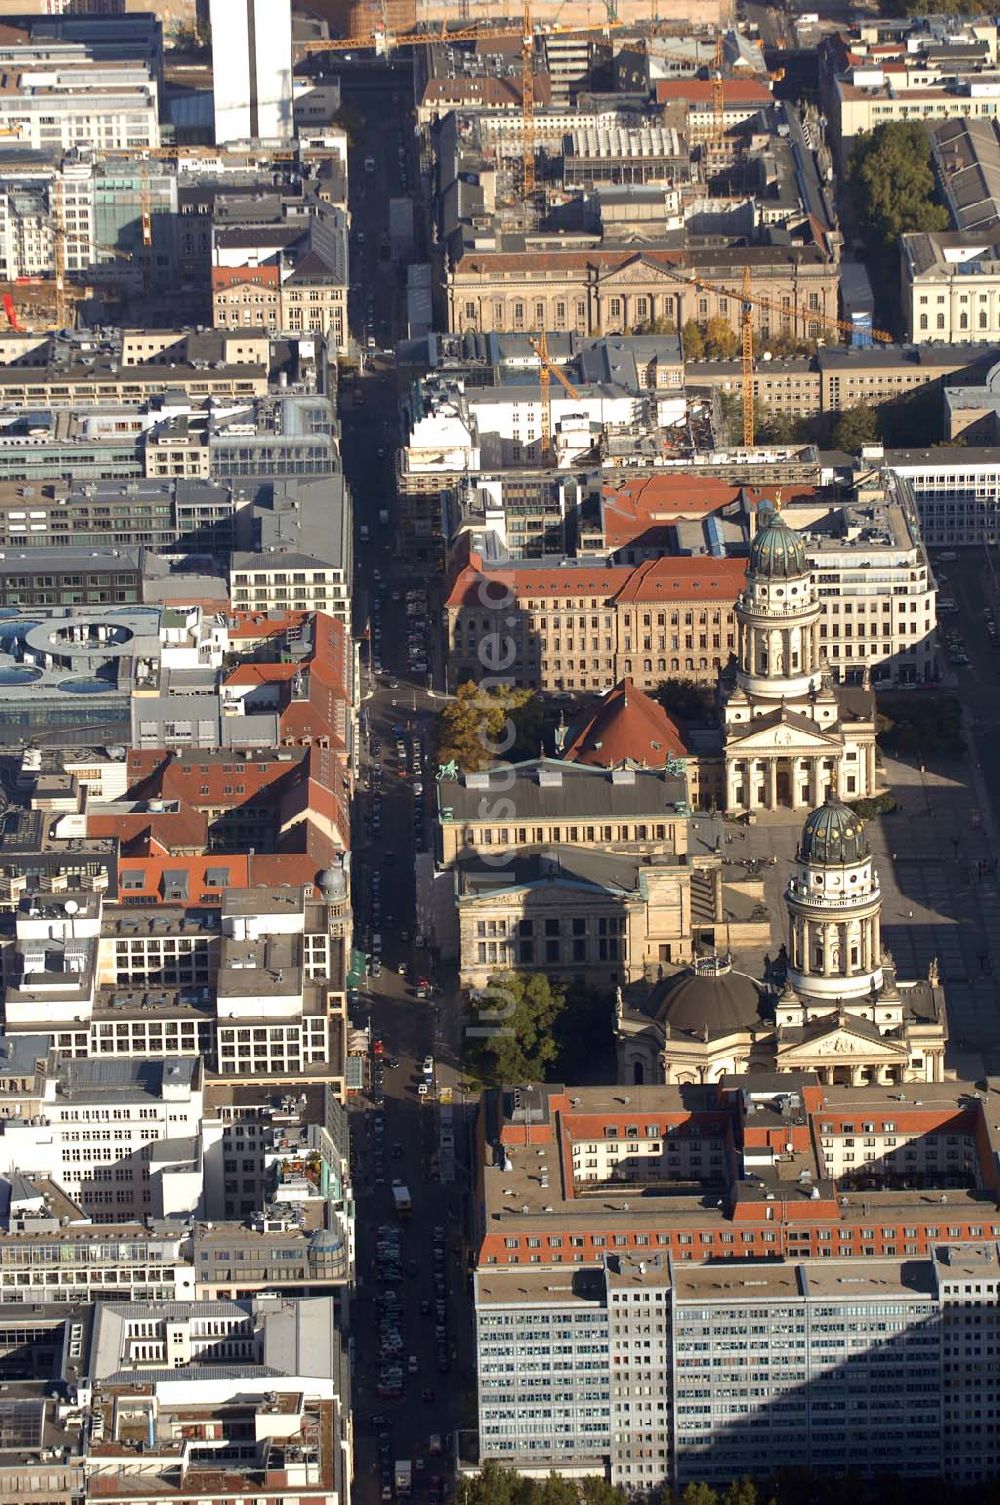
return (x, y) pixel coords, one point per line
(685, 578)
(318, 706)
(473, 587)
(261, 674)
(735, 91)
(680, 577)
(260, 626)
(631, 504)
(233, 276)
(141, 831)
(628, 726)
(152, 868)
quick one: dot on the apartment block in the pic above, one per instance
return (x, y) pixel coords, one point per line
(256, 991)
(664, 1348)
(913, 68)
(955, 492)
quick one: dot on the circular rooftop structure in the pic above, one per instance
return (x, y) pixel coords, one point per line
(12, 675)
(777, 552)
(833, 835)
(710, 996)
(85, 686)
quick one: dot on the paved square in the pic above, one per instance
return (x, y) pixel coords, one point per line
(937, 901)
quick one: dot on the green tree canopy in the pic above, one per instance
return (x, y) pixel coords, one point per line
(854, 428)
(693, 341)
(512, 1027)
(687, 700)
(892, 173)
(526, 1028)
(473, 730)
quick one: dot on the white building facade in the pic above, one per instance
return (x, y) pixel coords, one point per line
(252, 69)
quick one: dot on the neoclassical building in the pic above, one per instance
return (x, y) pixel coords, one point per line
(841, 1012)
(790, 734)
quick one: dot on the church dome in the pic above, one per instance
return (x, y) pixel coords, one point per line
(833, 835)
(777, 552)
(711, 996)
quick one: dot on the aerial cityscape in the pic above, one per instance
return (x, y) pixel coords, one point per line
(499, 752)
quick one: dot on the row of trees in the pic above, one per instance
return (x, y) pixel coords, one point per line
(497, 1485)
(716, 340)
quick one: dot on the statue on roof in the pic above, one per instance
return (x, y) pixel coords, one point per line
(933, 973)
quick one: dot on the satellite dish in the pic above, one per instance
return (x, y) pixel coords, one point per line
(71, 906)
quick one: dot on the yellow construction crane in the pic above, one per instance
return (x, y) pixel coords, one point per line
(383, 41)
(748, 300)
(546, 369)
(528, 103)
(59, 248)
(718, 91)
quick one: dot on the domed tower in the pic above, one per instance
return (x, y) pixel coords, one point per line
(833, 900)
(777, 618)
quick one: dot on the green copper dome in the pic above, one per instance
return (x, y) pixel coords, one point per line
(833, 835)
(777, 552)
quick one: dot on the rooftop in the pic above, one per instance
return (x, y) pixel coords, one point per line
(547, 788)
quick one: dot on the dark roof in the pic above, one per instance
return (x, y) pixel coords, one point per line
(833, 835)
(777, 552)
(548, 788)
(711, 997)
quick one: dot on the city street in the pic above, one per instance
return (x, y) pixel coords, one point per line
(398, 1138)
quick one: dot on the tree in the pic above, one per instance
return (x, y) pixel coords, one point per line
(780, 428)
(598, 1491)
(479, 726)
(892, 172)
(740, 1492)
(687, 700)
(693, 341)
(699, 1494)
(854, 428)
(512, 1027)
(583, 1034)
(722, 343)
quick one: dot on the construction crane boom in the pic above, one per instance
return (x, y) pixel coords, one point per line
(383, 40)
(756, 300)
(749, 300)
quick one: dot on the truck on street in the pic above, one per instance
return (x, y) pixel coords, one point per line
(404, 1476)
(402, 1200)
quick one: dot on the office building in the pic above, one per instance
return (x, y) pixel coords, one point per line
(669, 1285)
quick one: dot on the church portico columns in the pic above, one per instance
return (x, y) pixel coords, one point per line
(814, 794)
(772, 783)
